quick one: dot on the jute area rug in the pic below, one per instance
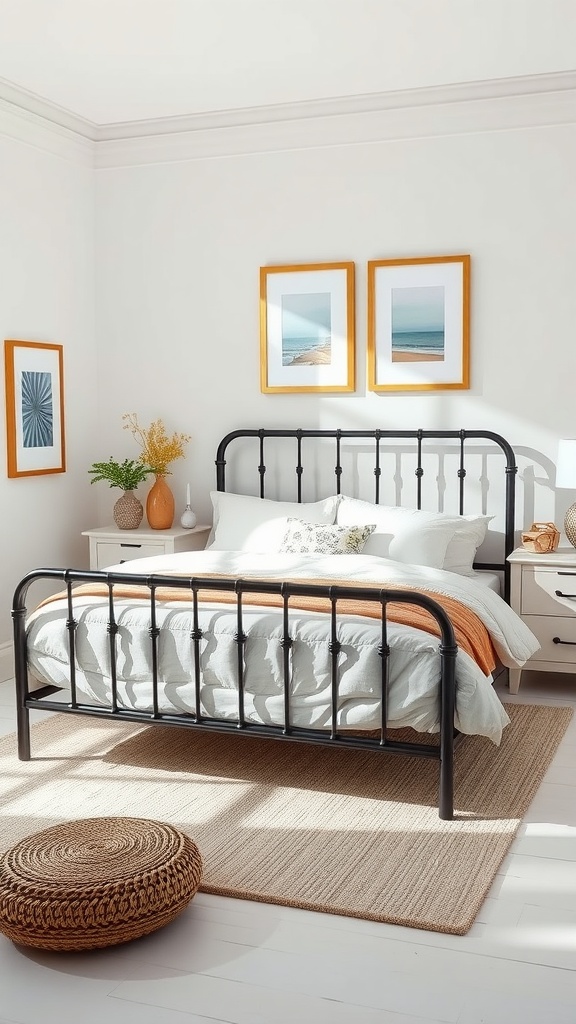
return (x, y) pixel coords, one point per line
(341, 831)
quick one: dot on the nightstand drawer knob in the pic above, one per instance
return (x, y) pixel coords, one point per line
(559, 593)
(557, 640)
(124, 545)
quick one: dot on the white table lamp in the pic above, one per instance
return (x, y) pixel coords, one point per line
(566, 477)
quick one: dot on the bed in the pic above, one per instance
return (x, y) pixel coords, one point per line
(339, 620)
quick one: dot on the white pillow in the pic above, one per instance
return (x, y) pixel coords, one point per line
(246, 523)
(320, 539)
(461, 550)
(435, 539)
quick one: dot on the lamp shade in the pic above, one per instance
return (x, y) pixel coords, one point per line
(566, 467)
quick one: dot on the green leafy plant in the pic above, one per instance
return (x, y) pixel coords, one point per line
(127, 474)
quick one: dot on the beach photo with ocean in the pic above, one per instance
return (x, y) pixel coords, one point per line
(417, 346)
(306, 329)
(306, 351)
(418, 324)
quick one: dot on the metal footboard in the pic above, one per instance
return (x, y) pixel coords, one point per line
(43, 698)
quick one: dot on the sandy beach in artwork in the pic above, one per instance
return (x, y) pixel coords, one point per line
(413, 356)
(316, 357)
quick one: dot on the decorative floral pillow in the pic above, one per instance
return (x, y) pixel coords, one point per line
(320, 539)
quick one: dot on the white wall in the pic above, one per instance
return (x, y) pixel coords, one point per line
(179, 247)
(47, 294)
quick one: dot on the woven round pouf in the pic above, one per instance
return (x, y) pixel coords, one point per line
(96, 882)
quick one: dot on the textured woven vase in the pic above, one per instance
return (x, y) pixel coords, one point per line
(128, 511)
(160, 505)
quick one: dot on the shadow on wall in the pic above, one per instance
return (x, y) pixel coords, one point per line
(537, 499)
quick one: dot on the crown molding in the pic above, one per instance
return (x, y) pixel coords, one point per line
(495, 105)
(340, 105)
(30, 102)
(507, 104)
(36, 122)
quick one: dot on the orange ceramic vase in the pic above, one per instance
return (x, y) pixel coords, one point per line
(160, 505)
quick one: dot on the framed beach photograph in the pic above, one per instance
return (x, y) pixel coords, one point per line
(419, 324)
(34, 380)
(307, 327)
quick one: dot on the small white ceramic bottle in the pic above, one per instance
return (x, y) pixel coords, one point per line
(188, 517)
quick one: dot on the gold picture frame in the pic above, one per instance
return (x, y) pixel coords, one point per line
(34, 383)
(307, 328)
(419, 324)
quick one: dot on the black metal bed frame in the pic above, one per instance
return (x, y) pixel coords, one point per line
(443, 751)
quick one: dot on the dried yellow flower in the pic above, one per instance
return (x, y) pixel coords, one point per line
(158, 450)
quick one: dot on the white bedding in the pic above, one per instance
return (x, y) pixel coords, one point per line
(414, 662)
(488, 579)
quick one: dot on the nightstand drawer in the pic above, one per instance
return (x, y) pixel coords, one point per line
(549, 627)
(110, 546)
(111, 553)
(539, 587)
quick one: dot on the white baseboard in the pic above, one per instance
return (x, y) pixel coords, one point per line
(6, 661)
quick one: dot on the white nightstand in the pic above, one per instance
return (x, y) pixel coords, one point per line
(543, 593)
(109, 546)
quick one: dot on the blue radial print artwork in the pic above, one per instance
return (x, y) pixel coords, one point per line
(37, 410)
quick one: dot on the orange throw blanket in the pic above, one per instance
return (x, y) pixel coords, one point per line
(471, 633)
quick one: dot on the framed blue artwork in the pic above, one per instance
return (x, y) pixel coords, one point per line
(34, 378)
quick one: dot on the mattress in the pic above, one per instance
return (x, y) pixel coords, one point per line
(414, 662)
(487, 579)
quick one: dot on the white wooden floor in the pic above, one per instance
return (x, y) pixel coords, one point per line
(248, 963)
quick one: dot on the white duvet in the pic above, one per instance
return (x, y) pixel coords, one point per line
(414, 661)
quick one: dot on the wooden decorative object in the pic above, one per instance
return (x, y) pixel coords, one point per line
(541, 538)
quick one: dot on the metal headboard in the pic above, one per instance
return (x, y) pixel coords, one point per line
(380, 438)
